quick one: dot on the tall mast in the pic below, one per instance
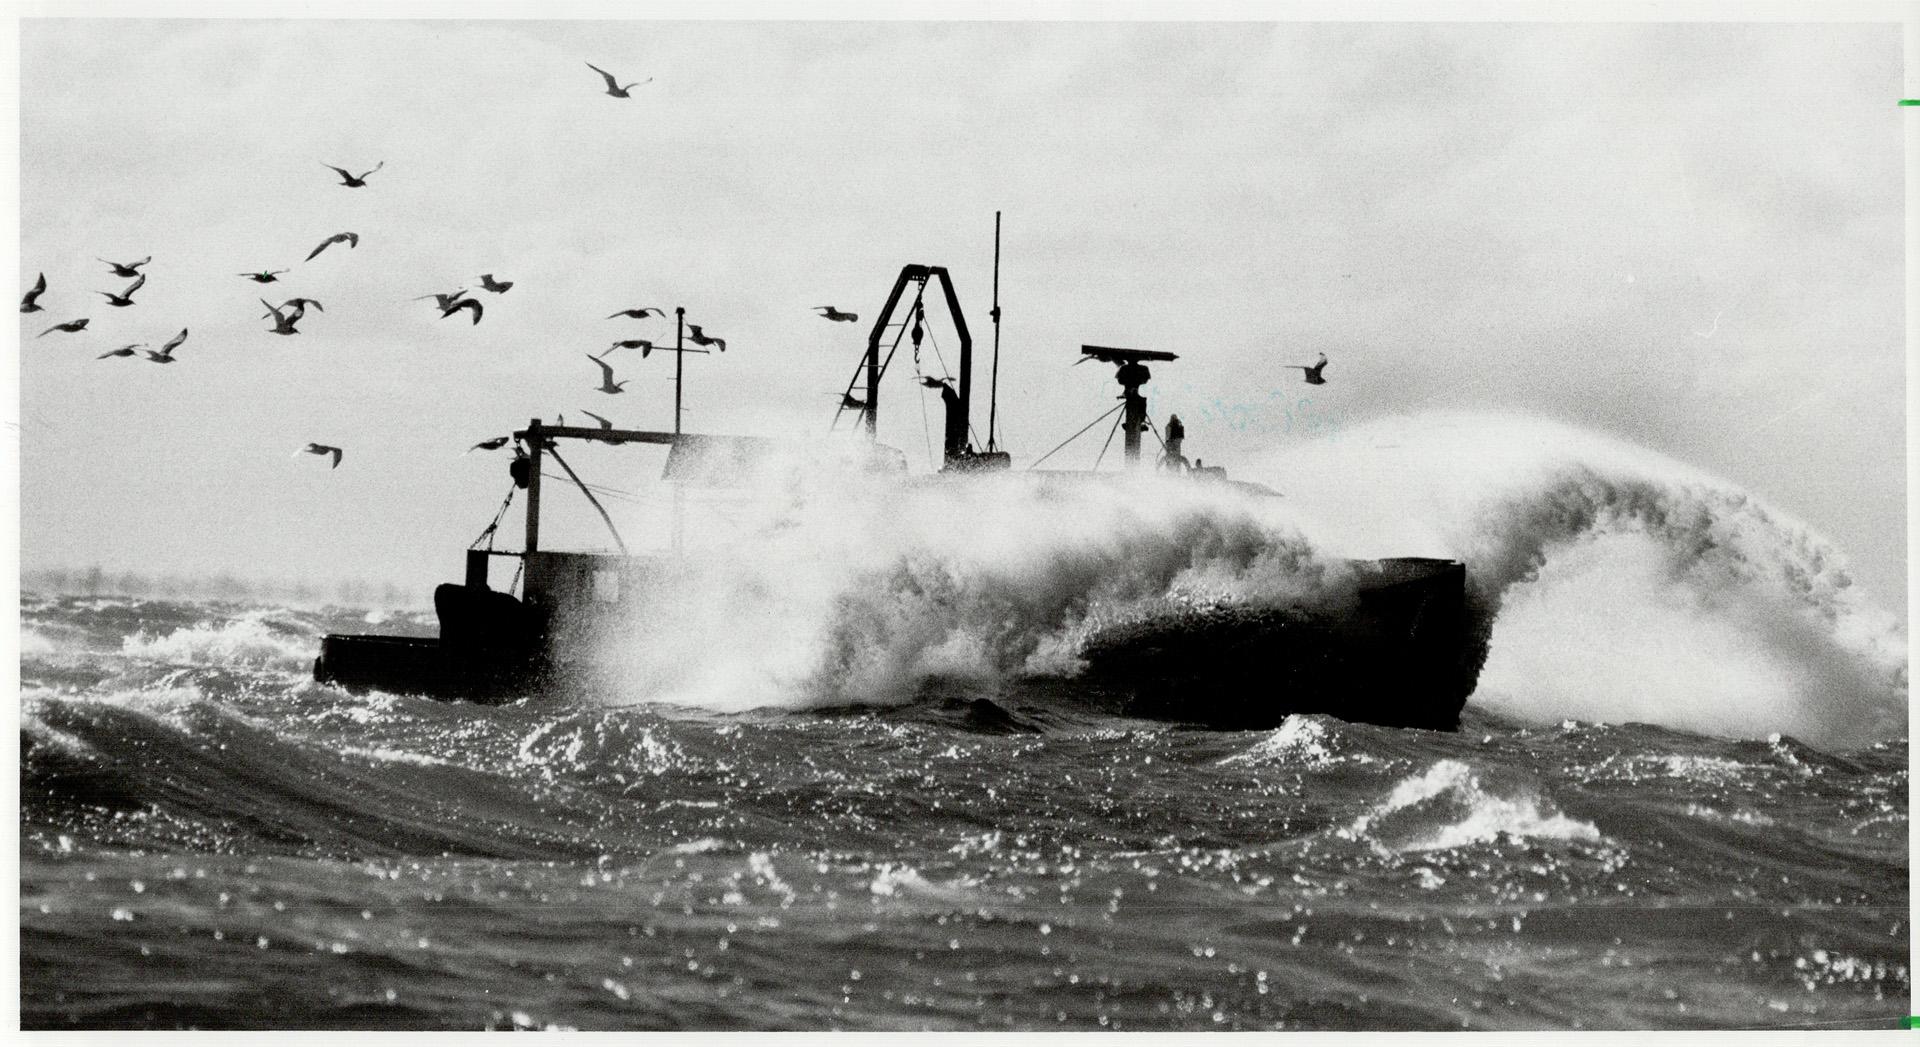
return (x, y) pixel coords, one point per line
(993, 393)
(679, 361)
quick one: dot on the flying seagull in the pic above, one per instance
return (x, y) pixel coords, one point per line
(127, 269)
(442, 301)
(165, 355)
(638, 314)
(830, 313)
(125, 350)
(488, 283)
(613, 86)
(489, 445)
(607, 384)
(70, 326)
(847, 401)
(1313, 373)
(350, 239)
(454, 307)
(351, 180)
(933, 383)
(283, 322)
(264, 276)
(124, 298)
(604, 424)
(701, 338)
(28, 303)
(299, 305)
(641, 344)
(322, 449)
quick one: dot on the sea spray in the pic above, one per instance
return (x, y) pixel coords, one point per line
(856, 591)
(1618, 584)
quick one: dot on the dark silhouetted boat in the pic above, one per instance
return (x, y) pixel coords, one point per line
(1403, 650)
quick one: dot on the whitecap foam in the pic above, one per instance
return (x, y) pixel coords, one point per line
(1620, 585)
(1451, 804)
(239, 642)
(857, 592)
(1301, 741)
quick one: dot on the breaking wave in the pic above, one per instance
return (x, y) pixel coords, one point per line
(856, 595)
(1453, 805)
(1618, 585)
(249, 641)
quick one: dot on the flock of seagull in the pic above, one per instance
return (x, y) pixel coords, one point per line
(288, 315)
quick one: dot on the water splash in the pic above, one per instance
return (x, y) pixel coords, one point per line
(1452, 805)
(1620, 585)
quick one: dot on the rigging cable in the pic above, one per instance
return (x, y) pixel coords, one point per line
(590, 498)
(1109, 443)
(487, 534)
(1076, 436)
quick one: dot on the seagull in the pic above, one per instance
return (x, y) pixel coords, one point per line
(349, 179)
(70, 326)
(641, 344)
(639, 314)
(173, 343)
(299, 306)
(488, 283)
(830, 313)
(848, 402)
(933, 383)
(607, 384)
(350, 239)
(127, 269)
(28, 304)
(442, 301)
(125, 350)
(282, 322)
(124, 298)
(454, 307)
(701, 338)
(1313, 373)
(604, 424)
(489, 445)
(613, 86)
(264, 277)
(322, 449)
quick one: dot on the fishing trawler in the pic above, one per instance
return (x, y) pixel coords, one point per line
(1404, 652)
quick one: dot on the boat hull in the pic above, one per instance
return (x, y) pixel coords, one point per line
(1407, 656)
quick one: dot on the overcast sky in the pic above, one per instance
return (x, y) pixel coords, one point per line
(1684, 236)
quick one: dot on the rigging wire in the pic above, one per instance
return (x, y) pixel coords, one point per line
(1109, 443)
(591, 499)
(926, 431)
(607, 491)
(1076, 436)
(947, 373)
(495, 525)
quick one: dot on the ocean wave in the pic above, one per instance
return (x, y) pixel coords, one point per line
(1310, 742)
(855, 595)
(250, 642)
(1618, 584)
(1451, 804)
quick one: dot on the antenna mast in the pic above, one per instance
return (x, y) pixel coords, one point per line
(993, 392)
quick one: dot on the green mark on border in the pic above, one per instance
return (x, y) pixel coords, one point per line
(1910, 101)
(1911, 1021)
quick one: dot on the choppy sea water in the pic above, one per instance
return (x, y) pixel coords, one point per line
(210, 839)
